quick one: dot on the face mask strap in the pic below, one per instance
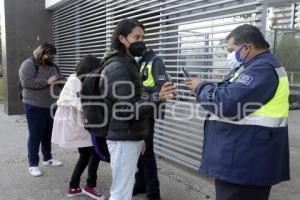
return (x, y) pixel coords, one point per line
(245, 58)
(238, 54)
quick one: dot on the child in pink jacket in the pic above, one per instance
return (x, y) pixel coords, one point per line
(69, 132)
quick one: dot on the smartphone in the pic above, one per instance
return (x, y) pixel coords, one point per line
(186, 74)
(169, 79)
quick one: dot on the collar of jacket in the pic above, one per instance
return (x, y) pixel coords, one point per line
(111, 53)
(147, 56)
(251, 60)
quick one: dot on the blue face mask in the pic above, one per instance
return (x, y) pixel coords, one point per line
(232, 61)
(238, 56)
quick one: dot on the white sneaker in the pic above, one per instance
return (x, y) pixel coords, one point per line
(35, 171)
(52, 162)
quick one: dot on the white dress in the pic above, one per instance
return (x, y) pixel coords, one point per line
(68, 126)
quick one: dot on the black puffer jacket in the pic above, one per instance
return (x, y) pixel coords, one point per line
(129, 112)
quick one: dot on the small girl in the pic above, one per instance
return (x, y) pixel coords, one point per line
(69, 131)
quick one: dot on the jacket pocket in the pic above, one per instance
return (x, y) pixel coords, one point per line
(262, 135)
(220, 144)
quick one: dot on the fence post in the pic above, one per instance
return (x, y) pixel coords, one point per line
(265, 5)
(275, 40)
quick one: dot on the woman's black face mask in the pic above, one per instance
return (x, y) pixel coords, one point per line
(137, 49)
(48, 61)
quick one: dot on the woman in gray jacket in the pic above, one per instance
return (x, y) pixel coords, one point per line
(37, 75)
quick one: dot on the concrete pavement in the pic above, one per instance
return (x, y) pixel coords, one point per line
(177, 183)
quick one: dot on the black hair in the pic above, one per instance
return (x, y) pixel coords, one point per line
(124, 27)
(43, 49)
(48, 48)
(87, 64)
(248, 34)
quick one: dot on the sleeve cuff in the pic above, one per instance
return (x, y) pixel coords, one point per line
(201, 85)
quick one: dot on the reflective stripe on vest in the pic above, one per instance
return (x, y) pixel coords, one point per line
(255, 120)
(274, 113)
(149, 82)
(236, 74)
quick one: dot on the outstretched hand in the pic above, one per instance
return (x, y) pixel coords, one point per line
(167, 91)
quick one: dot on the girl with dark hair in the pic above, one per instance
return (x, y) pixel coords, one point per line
(127, 126)
(37, 75)
(69, 131)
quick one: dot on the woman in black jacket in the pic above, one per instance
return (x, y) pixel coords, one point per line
(129, 108)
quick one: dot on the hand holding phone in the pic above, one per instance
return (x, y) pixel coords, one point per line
(186, 74)
(167, 91)
(169, 79)
(60, 80)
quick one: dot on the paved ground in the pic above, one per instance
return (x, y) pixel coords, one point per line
(176, 183)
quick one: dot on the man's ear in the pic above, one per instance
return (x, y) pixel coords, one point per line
(249, 46)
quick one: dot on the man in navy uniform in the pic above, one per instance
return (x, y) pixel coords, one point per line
(154, 76)
(246, 147)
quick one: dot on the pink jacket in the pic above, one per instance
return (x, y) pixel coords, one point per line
(68, 127)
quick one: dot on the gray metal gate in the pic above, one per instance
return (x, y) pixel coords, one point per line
(285, 15)
(184, 33)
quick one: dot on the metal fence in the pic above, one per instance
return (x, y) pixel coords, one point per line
(286, 15)
(287, 49)
(184, 33)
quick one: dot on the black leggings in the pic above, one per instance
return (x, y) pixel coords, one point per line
(229, 191)
(87, 157)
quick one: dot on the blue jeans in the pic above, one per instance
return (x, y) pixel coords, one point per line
(39, 123)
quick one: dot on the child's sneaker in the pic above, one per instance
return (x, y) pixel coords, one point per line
(52, 162)
(93, 193)
(35, 171)
(72, 192)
